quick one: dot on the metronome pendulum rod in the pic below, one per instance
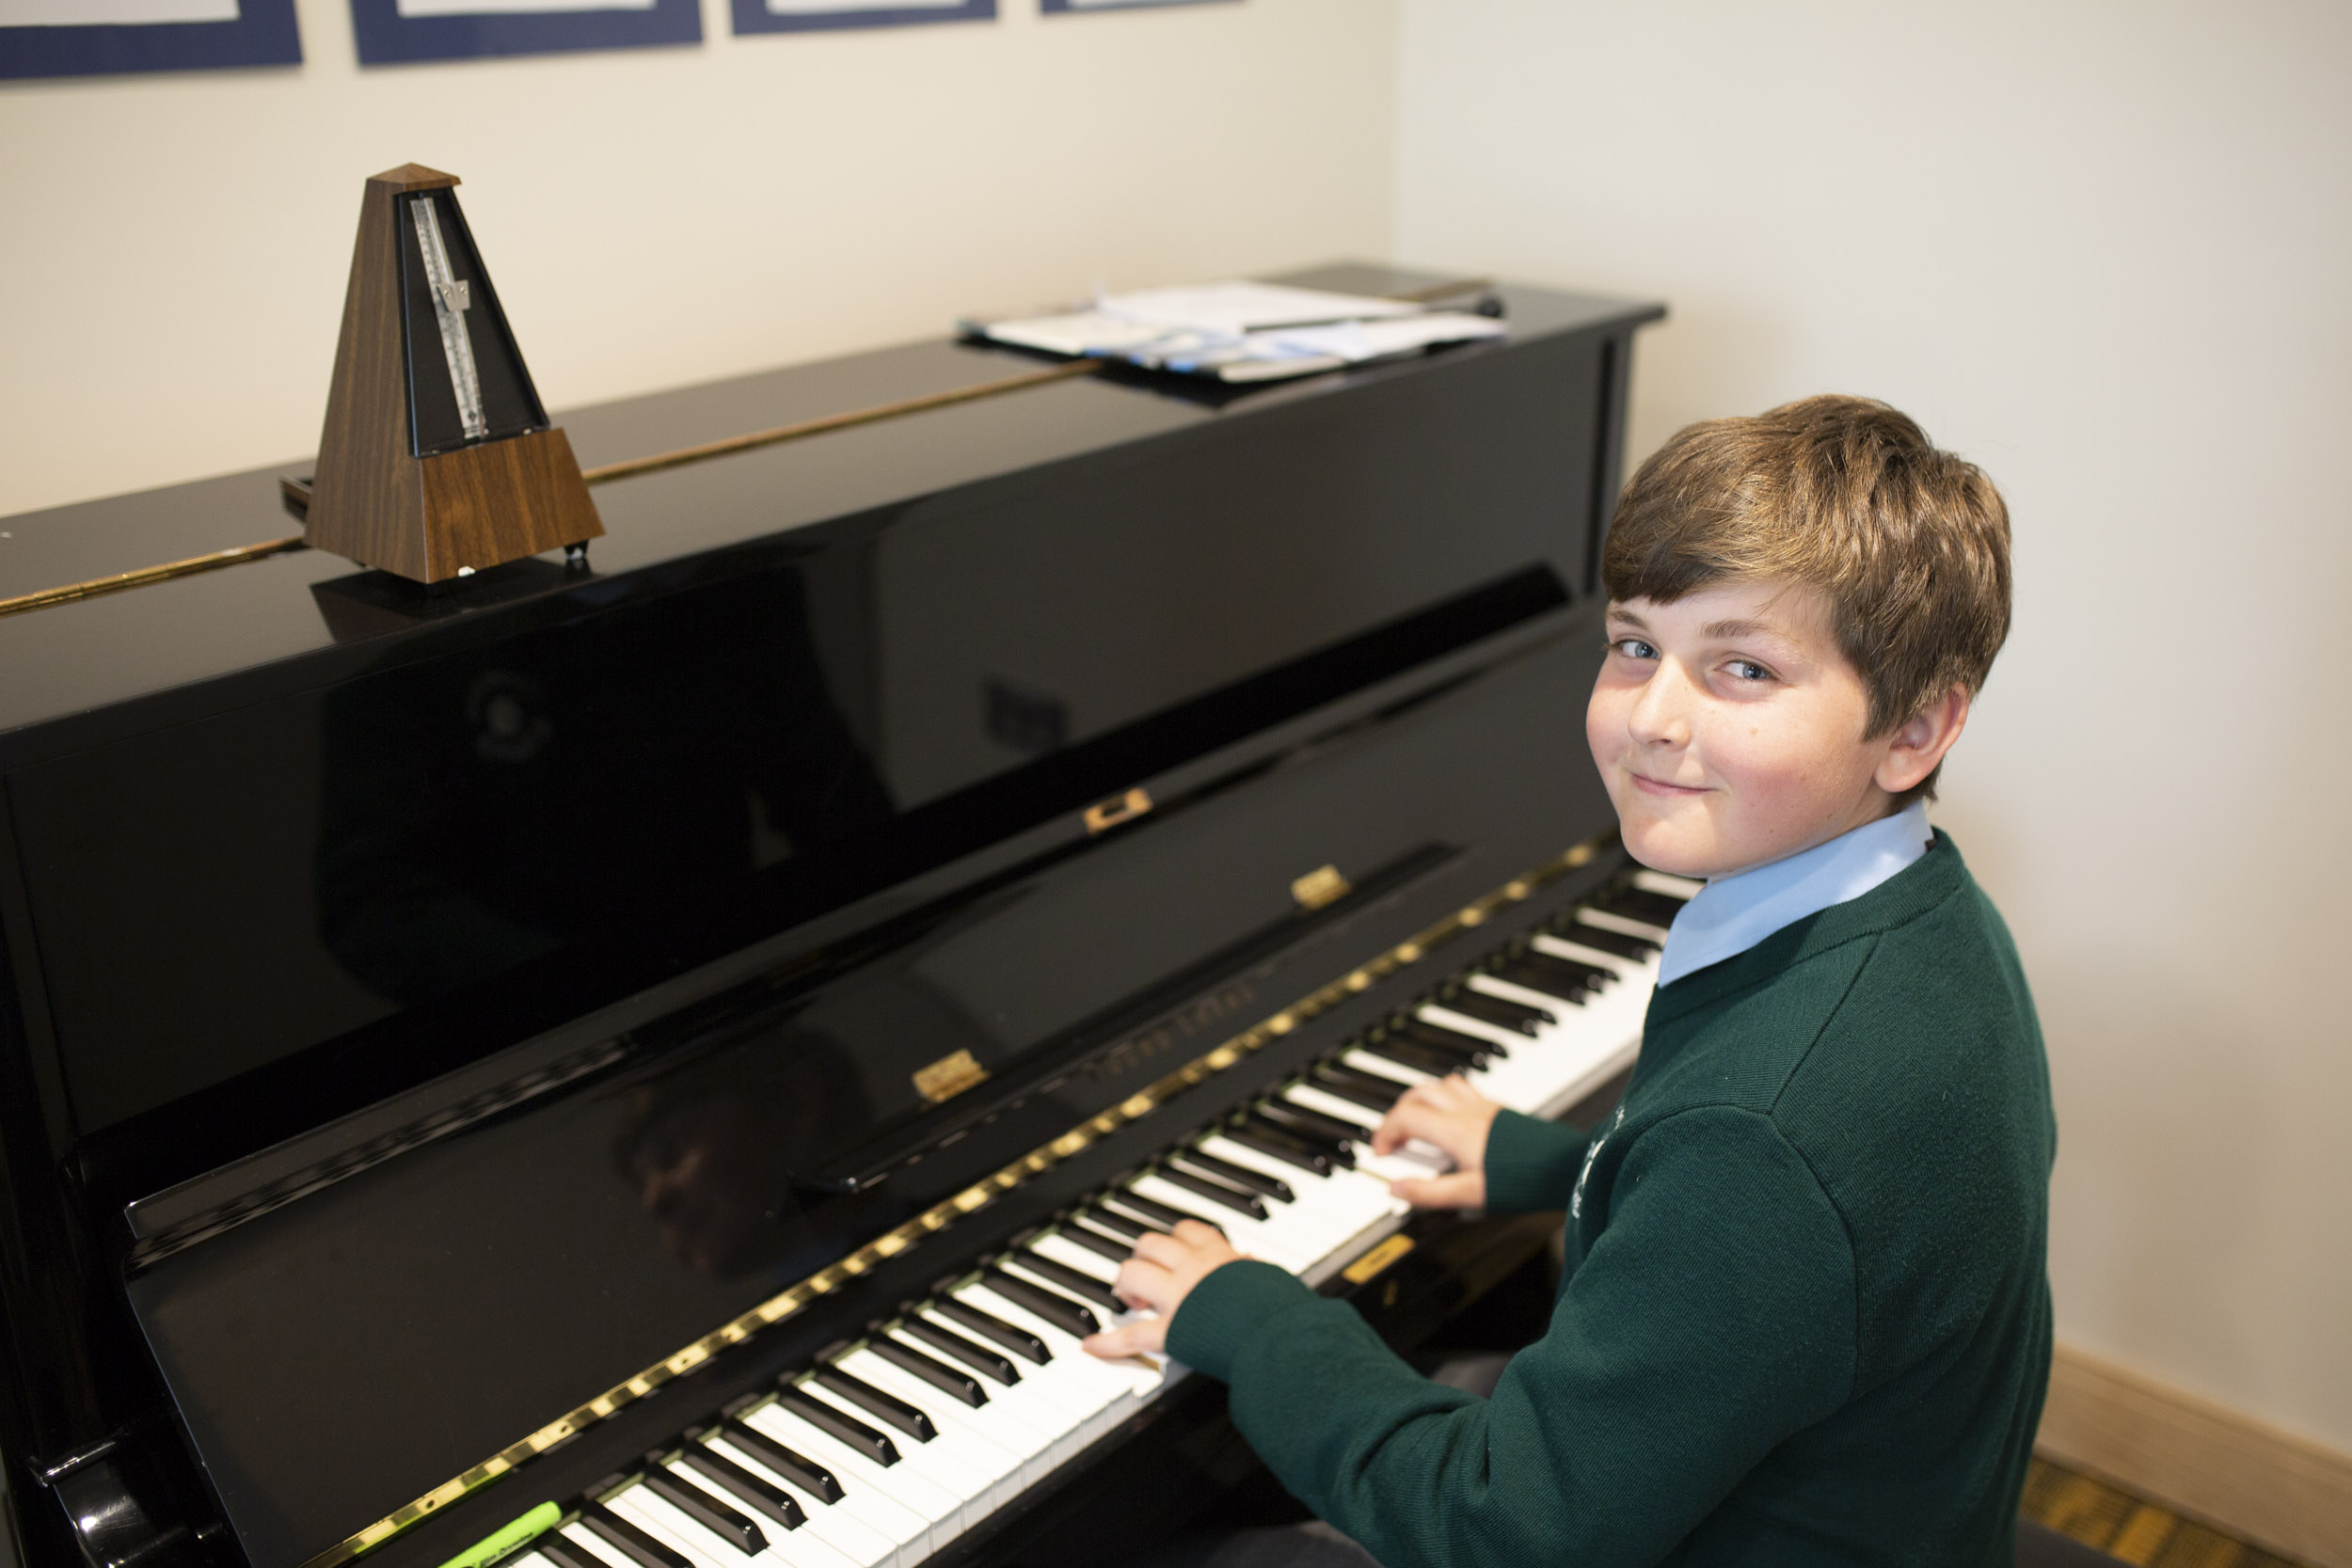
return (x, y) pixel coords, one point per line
(450, 300)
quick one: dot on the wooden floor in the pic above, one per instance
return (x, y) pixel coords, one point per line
(2131, 1530)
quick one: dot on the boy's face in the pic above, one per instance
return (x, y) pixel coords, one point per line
(1728, 727)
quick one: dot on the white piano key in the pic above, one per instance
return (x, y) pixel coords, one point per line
(944, 1462)
(1072, 1256)
(862, 1544)
(1562, 1008)
(1254, 1237)
(940, 1509)
(1000, 1430)
(1329, 1104)
(1364, 1061)
(597, 1548)
(1623, 925)
(864, 1527)
(1037, 1402)
(1577, 952)
(1049, 1384)
(1462, 1024)
(1132, 1381)
(1666, 882)
(674, 1528)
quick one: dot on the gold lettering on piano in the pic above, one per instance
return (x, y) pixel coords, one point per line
(941, 1216)
(1371, 1264)
(949, 1076)
(1321, 886)
(1110, 814)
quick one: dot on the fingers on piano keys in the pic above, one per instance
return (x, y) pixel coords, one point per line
(887, 1449)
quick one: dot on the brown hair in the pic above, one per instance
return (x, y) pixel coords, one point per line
(1844, 494)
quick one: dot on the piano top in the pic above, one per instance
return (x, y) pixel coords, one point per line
(80, 673)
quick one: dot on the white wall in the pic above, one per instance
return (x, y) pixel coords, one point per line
(2105, 248)
(176, 246)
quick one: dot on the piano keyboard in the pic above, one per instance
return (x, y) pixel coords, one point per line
(885, 1451)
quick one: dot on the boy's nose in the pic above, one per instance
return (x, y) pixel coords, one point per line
(1661, 713)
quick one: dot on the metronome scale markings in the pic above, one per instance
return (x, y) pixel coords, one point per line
(450, 300)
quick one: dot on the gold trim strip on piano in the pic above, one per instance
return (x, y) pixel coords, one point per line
(604, 474)
(941, 1216)
(633, 466)
(237, 556)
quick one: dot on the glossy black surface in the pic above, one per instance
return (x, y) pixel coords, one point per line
(420, 1013)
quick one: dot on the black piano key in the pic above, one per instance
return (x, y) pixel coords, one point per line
(1216, 1192)
(832, 1421)
(628, 1539)
(1241, 1176)
(1477, 1050)
(882, 1406)
(1378, 1096)
(1639, 903)
(1055, 1309)
(1124, 1225)
(1393, 1046)
(970, 1351)
(1564, 978)
(564, 1552)
(736, 1528)
(1638, 949)
(1275, 1144)
(1166, 1214)
(1011, 1336)
(1076, 1282)
(1332, 1150)
(789, 1463)
(771, 1503)
(1110, 1248)
(1310, 1124)
(1499, 1011)
(957, 1385)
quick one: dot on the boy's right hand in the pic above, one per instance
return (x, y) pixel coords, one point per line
(1448, 1113)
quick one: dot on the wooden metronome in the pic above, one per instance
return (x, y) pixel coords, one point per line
(437, 460)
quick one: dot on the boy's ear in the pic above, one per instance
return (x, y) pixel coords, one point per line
(1918, 744)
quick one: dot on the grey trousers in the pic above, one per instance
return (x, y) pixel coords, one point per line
(1314, 1544)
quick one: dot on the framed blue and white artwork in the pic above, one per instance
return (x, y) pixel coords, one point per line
(103, 38)
(1069, 7)
(806, 16)
(400, 32)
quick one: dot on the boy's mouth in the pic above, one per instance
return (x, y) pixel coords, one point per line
(1660, 788)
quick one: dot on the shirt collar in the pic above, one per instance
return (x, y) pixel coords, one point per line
(1734, 912)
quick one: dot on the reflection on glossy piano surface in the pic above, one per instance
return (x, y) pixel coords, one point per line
(668, 1057)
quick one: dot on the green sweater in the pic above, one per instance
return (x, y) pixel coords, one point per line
(1806, 1317)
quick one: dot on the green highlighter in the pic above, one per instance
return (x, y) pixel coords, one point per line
(530, 1527)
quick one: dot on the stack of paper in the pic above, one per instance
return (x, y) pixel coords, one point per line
(1241, 330)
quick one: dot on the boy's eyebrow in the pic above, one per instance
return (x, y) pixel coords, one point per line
(1627, 617)
(1743, 629)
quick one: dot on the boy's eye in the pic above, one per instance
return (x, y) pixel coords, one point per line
(1633, 647)
(1748, 669)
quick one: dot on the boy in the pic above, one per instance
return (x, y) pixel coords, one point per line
(1804, 1317)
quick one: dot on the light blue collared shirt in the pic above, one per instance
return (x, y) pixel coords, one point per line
(1734, 912)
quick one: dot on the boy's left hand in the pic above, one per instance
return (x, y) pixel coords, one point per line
(1156, 1279)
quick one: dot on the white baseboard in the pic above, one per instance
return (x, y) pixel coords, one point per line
(2282, 1493)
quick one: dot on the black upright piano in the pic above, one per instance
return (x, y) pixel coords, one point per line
(653, 1065)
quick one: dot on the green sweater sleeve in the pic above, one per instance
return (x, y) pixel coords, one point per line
(1532, 1164)
(1714, 1316)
